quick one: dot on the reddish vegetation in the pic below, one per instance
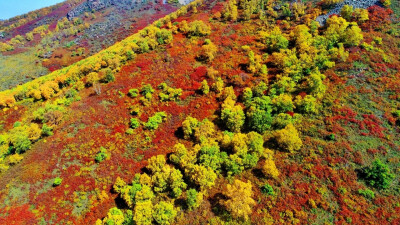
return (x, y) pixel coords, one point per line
(317, 184)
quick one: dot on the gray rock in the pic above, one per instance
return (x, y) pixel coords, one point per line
(363, 4)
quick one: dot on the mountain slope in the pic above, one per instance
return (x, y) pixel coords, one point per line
(267, 111)
(58, 36)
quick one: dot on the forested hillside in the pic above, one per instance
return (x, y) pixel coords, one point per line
(222, 112)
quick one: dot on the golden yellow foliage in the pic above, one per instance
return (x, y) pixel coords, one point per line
(240, 201)
(269, 168)
(230, 11)
(15, 159)
(34, 132)
(208, 51)
(119, 185)
(6, 100)
(288, 138)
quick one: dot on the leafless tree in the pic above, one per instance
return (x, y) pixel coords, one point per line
(97, 88)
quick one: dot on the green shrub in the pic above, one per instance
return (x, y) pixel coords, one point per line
(40, 114)
(367, 193)
(46, 130)
(133, 93)
(109, 76)
(378, 175)
(147, 90)
(210, 156)
(193, 198)
(129, 131)
(17, 124)
(259, 114)
(169, 93)
(57, 181)
(101, 155)
(259, 120)
(283, 103)
(267, 189)
(134, 123)
(281, 120)
(20, 142)
(155, 121)
(331, 137)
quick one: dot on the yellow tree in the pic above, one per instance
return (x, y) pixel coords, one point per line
(230, 10)
(208, 51)
(298, 9)
(288, 138)
(347, 12)
(240, 201)
(331, 2)
(269, 168)
(361, 15)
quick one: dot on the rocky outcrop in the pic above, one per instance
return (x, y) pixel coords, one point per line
(355, 3)
(96, 5)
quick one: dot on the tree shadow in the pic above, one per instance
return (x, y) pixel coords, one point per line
(181, 203)
(179, 133)
(258, 173)
(216, 205)
(120, 203)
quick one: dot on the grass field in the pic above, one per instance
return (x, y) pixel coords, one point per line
(18, 69)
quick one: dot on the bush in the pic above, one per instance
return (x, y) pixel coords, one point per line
(164, 213)
(193, 199)
(188, 126)
(15, 159)
(199, 28)
(232, 115)
(20, 142)
(203, 177)
(114, 217)
(129, 131)
(155, 121)
(101, 155)
(164, 36)
(378, 175)
(169, 93)
(240, 201)
(147, 90)
(367, 193)
(143, 212)
(46, 130)
(259, 114)
(134, 123)
(308, 104)
(288, 138)
(49, 113)
(109, 76)
(57, 181)
(281, 120)
(269, 169)
(267, 189)
(283, 103)
(204, 88)
(133, 92)
(208, 52)
(274, 39)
